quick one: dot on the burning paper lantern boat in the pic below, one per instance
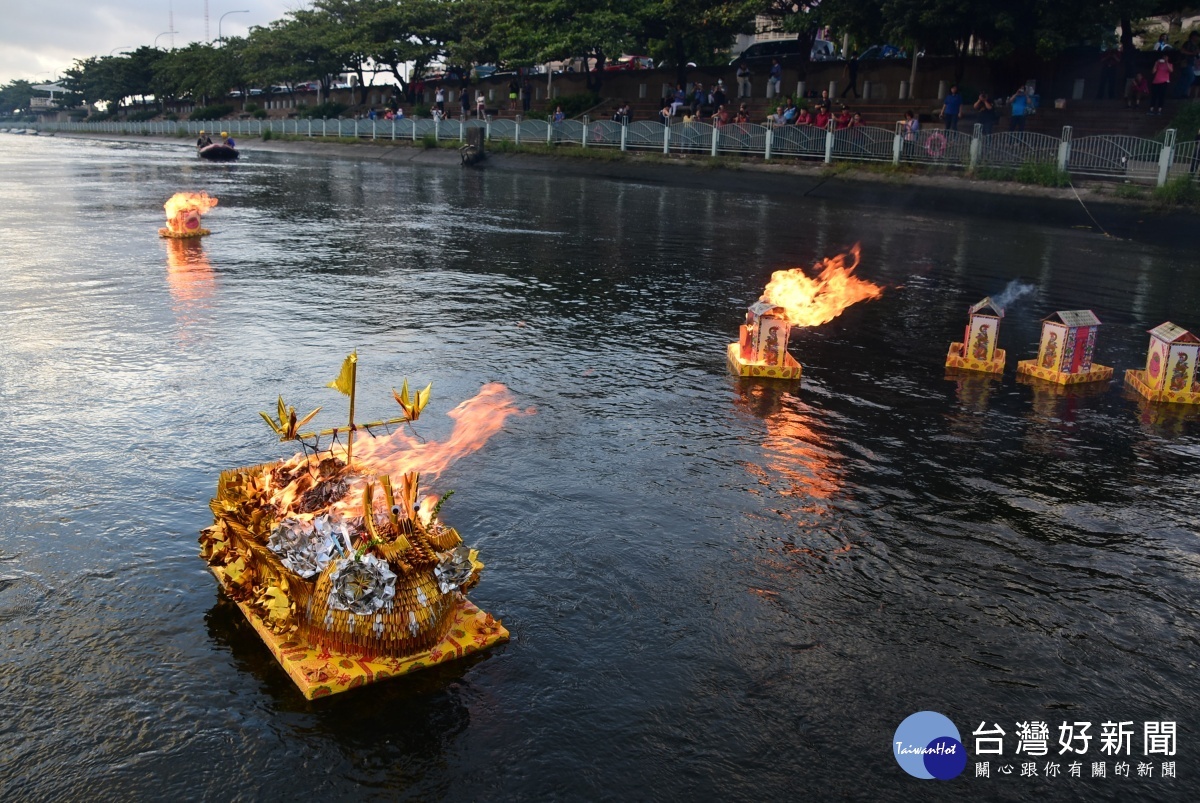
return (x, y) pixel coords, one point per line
(978, 350)
(183, 214)
(1065, 352)
(347, 579)
(1170, 374)
(790, 299)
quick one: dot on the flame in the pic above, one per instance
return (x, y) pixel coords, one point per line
(475, 422)
(185, 207)
(812, 302)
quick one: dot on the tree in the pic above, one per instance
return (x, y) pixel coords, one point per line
(680, 31)
(15, 97)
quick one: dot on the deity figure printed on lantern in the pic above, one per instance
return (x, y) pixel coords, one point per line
(1170, 374)
(977, 351)
(1065, 351)
(761, 349)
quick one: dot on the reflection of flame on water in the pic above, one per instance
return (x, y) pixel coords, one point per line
(475, 421)
(183, 213)
(793, 449)
(189, 274)
(812, 302)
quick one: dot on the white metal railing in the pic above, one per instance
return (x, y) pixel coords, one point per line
(1106, 155)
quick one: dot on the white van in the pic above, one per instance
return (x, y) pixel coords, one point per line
(761, 54)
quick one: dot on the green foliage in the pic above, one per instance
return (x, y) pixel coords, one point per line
(1043, 174)
(251, 108)
(15, 97)
(575, 105)
(429, 140)
(1186, 120)
(1130, 192)
(171, 117)
(992, 174)
(420, 111)
(214, 112)
(267, 134)
(143, 116)
(260, 114)
(1178, 191)
(323, 111)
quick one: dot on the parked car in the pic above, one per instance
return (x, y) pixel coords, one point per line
(484, 70)
(882, 52)
(309, 86)
(631, 63)
(760, 54)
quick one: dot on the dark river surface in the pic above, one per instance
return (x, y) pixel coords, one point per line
(716, 589)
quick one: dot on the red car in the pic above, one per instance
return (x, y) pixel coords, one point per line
(631, 63)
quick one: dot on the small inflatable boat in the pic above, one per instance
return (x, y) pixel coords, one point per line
(218, 152)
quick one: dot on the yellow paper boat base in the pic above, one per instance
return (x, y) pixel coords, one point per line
(1136, 379)
(319, 672)
(789, 370)
(185, 235)
(954, 359)
(1098, 373)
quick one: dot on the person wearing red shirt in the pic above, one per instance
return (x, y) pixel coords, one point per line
(1158, 85)
(823, 116)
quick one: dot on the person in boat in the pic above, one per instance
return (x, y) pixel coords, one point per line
(203, 140)
(228, 139)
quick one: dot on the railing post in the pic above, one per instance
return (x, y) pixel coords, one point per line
(355, 128)
(716, 134)
(829, 143)
(767, 149)
(976, 145)
(667, 138)
(549, 132)
(898, 143)
(624, 137)
(583, 140)
(462, 130)
(517, 132)
(372, 129)
(1064, 149)
(414, 126)
(324, 120)
(487, 128)
(437, 130)
(1166, 156)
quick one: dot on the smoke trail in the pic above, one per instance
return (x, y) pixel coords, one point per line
(1015, 290)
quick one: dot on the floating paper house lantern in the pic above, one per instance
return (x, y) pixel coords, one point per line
(1170, 374)
(761, 350)
(1065, 352)
(978, 350)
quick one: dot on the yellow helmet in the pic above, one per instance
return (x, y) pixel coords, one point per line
(224, 133)
(201, 130)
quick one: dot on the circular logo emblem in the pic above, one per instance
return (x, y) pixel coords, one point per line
(927, 745)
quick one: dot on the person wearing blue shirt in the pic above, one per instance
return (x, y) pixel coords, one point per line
(1018, 105)
(774, 79)
(951, 107)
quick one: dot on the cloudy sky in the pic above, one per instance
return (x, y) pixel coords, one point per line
(41, 38)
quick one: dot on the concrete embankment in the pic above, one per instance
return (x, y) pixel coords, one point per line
(1089, 205)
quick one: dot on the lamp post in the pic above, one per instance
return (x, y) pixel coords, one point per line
(120, 47)
(222, 19)
(160, 36)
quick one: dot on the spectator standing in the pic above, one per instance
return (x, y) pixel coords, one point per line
(775, 119)
(558, 114)
(843, 119)
(678, 98)
(1159, 81)
(987, 113)
(1162, 44)
(804, 118)
(718, 96)
(775, 78)
(851, 73)
(1110, 62)
(439, 100)
(699, 98)
(743, 79)
(790, 111)
(743, 114)
(823, 116)
(480, 105)
(856, 121)
(1018, 105)
(513, 89)
(951, 108)
(526, 94)
(1190, 50)
(464, 102)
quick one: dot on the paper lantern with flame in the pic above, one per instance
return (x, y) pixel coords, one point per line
(347, 580)
(792, 298)
(978, 350)
(183, 214)
(1170, 374)
(1065, 350)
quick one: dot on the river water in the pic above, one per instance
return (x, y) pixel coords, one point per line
(716, 589)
